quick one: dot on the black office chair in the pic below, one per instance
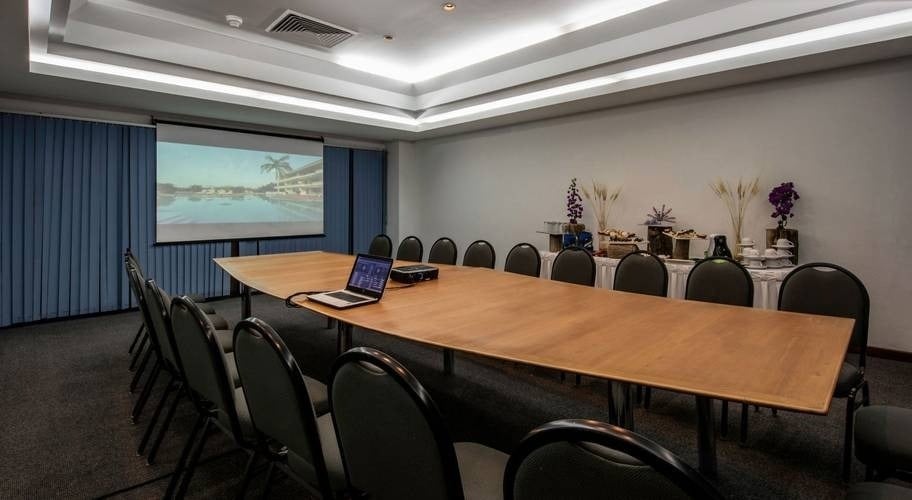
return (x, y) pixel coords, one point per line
(523, 259)
(574, 265)
(219, 401)
(721, 280)
(479, 254)
(575, 459)
(830, 290)
(280, 400)
(410, 249)
(883, 442)
(443, 251)
(381, 246)
(644, 273)
(394, 441)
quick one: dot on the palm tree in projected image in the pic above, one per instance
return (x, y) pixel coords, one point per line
(278, 166)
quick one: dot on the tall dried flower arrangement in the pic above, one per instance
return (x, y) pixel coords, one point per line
(602, 199)
(736, 198)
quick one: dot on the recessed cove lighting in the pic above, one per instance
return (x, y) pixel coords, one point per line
(448, 7)
(218, 88)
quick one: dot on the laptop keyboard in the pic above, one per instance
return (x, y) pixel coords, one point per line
(347, 297)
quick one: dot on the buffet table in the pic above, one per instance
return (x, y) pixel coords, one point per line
(766, 281)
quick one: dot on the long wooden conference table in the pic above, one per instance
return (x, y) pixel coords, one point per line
(768, 358)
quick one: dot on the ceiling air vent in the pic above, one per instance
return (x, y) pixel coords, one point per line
(311, 29)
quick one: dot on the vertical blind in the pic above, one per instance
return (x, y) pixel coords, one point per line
(75, 194)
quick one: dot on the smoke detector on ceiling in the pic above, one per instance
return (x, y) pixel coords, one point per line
(234, 21)
(310, 29)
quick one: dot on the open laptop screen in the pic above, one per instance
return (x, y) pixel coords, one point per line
(369, 275)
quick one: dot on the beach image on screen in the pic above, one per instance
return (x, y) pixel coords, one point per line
(206, 192)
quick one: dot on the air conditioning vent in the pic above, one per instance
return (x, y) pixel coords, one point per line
(310, 29)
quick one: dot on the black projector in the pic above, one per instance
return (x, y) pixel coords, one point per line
(413, 273)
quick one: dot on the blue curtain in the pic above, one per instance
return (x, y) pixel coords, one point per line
(74, 194)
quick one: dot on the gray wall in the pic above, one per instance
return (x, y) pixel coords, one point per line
(842, 136)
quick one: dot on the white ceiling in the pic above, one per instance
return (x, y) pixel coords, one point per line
(442, 70)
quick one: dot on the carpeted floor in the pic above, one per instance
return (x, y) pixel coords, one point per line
(65, 430)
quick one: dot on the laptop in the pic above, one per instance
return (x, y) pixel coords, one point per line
(365, 284)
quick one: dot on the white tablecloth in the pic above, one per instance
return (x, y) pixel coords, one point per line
(766, 281)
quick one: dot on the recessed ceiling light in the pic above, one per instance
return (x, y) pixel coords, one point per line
(449, 7)
(234, 21)
(388, 38)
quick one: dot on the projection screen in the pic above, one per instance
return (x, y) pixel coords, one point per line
(222, 185)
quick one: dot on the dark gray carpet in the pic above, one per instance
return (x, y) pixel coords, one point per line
(65, 430)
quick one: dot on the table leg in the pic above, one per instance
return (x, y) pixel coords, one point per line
(622, 405)
(344, 337)
(706, 436)
(245, 301)
(449, 360)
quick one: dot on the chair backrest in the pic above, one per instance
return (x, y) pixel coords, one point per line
(381, 246)
(203, 363)
(479, 254)
(722, 281)
(589, 459)
(393, 440)
(443, 251)
(830, 290)
(641, 272)
(410, 249)
(574, 265)
(277, 398)
(160, 320)
(523, 259)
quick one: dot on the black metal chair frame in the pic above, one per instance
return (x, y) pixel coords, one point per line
(138, 348)
(517, 247)
(490, 246)
(575, 249)
(207, 411)
(420, 247)
(389, 243)
(641, 395)
(140, 338)
(749, 303)
(262, 446)
(851, 404)
(441, 241)
(421, 398)
(616, 438)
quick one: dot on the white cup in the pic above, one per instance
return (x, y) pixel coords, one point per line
(784, 253)
(747, 241)
(771, 252)
(750, 252)
(782, 242)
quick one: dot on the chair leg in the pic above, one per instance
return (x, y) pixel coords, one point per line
(248, 473)
(155, 414)
(578, 379)
(849, 432)
(138, 352)
(193, 461)
(744, 414)
(146, 392)
(142, 326)
(142, 368)
(647, 398)
(153, 451)
(269, 473)
(723, 421)
(775, 412)
(563, 377)
(201, 421)
(865, 394)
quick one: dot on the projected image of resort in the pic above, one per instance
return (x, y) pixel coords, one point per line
(210, 185)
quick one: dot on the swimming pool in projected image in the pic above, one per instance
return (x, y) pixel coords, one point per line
(209, 209)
